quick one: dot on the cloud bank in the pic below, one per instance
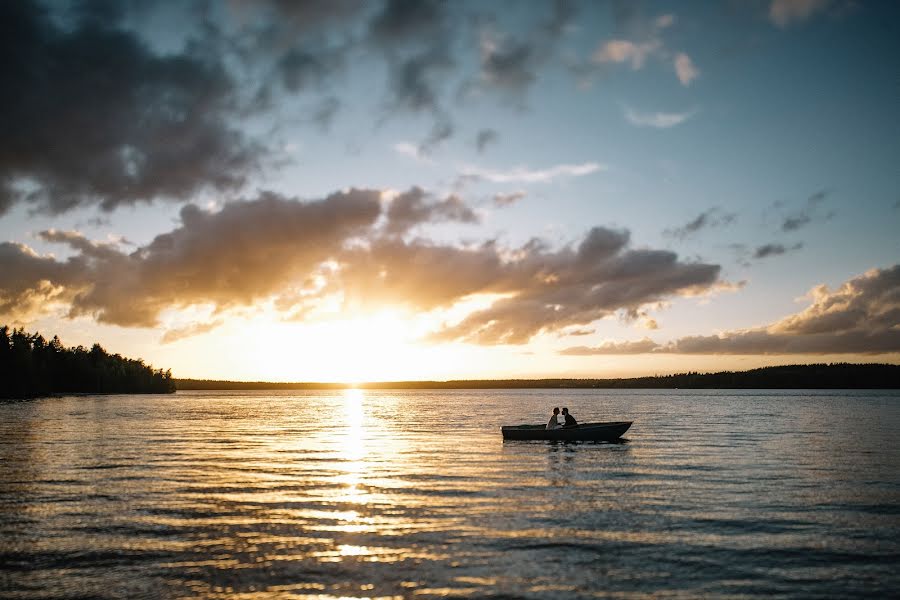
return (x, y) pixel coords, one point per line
(862, 316)
(353, 246)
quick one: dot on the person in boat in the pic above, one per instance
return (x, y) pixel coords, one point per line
(570, 420)
(553, 423)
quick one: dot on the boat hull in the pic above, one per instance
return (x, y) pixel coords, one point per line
(588, 432)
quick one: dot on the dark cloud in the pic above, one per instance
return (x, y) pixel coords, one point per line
(404, 21)
(414, 207)
(795, 222)
(809, 213)
(862, 316)
(415, 80)
(744, 255)
(767, 250)
(484, 138)
(510, 64)
(309, 14)
(714, 217)
(415, 38)
(90, 115)
(311, 67)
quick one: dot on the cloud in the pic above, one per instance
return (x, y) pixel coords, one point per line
(246, 252)
(624, 51)
(767, 250)
(303, 68)
(646, 43)
(785, 12)
(415, 39)
(577, 332)
(509, 63)
(659, 120)
(31, 283)
(549, 290)
(484, 138)
(862, 316)
(714, 217)
(90, 115)
(415, 80)
(412, 208)
(310, 15)
(809, 213)
(508, 199)
(685, 69)
(180, 333)
(347, 245)
(637, 347)
(526, 175)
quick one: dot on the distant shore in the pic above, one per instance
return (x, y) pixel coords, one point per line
(815, 376)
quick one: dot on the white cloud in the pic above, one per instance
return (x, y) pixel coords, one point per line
(783, 12)
(685, 68)
(637, 53)
(526, 175)
(621, 51)
(660, 120)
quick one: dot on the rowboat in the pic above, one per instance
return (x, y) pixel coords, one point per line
(587, 432)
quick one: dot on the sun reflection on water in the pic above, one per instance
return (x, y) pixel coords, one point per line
(353, 457)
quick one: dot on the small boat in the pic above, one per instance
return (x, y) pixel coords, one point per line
(586, 432)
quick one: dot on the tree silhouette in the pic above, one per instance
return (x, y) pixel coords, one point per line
(30, 366)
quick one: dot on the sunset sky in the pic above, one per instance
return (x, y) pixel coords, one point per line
(351, 191)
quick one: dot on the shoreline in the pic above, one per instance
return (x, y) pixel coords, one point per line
(815, 376)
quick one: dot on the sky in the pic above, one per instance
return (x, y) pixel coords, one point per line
(368, 191)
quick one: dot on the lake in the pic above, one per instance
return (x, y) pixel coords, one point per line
(414, 494)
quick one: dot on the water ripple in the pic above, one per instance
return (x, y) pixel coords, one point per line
(413, 494)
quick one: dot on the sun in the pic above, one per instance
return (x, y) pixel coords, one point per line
(374, 347)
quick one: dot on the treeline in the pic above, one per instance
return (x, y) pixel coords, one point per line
(821, 376)
(31, 366)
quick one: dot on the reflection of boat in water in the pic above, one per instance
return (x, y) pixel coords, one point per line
(587, 432)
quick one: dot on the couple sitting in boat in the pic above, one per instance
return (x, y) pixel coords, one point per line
(554, 420)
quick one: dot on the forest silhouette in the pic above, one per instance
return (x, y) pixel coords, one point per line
(31, 366)
(814, 376)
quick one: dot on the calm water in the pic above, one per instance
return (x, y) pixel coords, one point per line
(414, 494)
